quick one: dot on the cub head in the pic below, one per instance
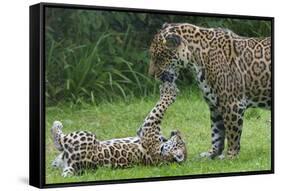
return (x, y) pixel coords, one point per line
(174, 149)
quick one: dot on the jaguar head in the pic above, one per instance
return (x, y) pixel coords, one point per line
(174, 149)
(166, 57)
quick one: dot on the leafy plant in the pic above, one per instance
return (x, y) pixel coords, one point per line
(94, 56)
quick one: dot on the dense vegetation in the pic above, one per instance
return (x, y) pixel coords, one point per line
(94, 56)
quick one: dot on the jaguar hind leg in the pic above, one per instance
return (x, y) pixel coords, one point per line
(58, 162)
(70, 168)
(68, 171)
(233, 121)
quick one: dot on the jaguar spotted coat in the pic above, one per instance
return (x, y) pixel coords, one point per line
(81, 149)
(233, 72)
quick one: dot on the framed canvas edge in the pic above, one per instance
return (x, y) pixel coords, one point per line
(37, 168)
(158, 11)
(35, 96)
(158, 179)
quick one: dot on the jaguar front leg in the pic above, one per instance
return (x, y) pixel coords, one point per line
(217, 134)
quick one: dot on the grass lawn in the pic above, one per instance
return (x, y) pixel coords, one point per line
(189, 114)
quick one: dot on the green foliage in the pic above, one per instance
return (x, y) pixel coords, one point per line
(189, 114)
(96, 56)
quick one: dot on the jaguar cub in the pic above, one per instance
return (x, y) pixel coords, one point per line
(81, 149)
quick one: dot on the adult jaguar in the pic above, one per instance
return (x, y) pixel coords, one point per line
(233, 72)
(81, 149)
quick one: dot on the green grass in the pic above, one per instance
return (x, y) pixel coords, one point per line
(189, 114)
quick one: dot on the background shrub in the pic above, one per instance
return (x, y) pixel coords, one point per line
(94, 56)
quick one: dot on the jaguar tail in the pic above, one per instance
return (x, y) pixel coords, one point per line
(57, 134)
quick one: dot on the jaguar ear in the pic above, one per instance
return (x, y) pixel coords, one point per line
(173, 41)
(175, 133)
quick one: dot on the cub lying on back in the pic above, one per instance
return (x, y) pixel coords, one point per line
(81, 149)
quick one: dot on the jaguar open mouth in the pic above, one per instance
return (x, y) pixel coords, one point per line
(179, 158)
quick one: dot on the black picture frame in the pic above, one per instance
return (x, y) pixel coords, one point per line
(37, 95)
